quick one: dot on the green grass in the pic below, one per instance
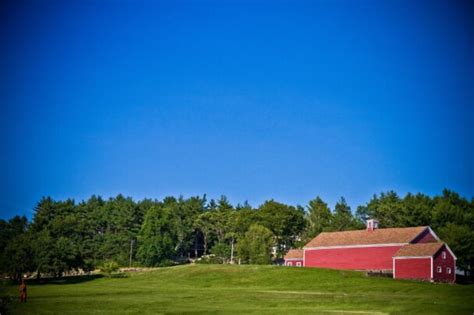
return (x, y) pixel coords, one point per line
(243, 289)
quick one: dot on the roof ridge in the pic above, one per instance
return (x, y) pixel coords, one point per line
(424, 244)
(363, 230)
(364, 237)
(420, 249)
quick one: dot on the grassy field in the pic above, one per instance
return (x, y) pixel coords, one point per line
(243, 289)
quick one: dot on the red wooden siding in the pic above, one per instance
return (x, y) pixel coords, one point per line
(448, 262)
(425, 237)
(359, 258)
(294, 262)
(413, 268)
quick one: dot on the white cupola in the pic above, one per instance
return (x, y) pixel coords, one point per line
(372, 224)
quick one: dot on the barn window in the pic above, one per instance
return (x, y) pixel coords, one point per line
(448, 270)
(298, 264)
(444, 255)
(288, 263)
(439, 269)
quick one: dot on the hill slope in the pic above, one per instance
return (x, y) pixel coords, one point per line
(243, 289)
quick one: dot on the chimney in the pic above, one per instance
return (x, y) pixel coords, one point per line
(372, 224)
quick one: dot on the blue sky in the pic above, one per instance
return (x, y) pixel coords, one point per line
(253, 100)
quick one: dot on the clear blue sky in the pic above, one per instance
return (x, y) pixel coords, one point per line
(254, 100)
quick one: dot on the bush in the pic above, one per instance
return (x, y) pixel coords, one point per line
(202, 261)
(208, 259)
(256, 246)
(166, 263)
(221, 253)
(4, 301)
(109, 267)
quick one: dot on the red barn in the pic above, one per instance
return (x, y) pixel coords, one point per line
(294, 258)
(380, 250)
(425, 261)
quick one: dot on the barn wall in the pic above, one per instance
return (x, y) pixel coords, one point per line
(365, 258)
(444, 263)
(293, 262)
(413, 268)
(425, 237)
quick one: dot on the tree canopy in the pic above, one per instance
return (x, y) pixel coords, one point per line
(64, 235)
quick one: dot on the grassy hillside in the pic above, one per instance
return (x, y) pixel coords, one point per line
(243, 289)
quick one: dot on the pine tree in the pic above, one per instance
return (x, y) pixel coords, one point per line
(319, 217)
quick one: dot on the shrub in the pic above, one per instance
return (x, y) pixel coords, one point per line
(4, 301)
(166, 263)
(256, 246)
(221, 253)
(109, 267)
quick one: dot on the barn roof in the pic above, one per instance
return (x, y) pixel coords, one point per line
(419, 249)
(294, 254)
(364, 237)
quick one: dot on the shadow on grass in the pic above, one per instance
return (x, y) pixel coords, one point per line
(64, 280)
(119, 275)
(465, 280)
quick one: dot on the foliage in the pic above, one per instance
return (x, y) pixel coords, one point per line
(287, 223)
(65, 235)
(156, 237)
(461, 240)
(18, 256)
(203, 223)
(109, 267)
(319, 217)
(221, 252)
(449, 215)
(15, 247)
(255, 247)
(342, 218)
(5, 300)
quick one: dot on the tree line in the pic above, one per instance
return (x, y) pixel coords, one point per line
(65, 235)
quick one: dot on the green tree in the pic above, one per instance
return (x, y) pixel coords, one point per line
(45, 211)
(342, 218)
(43, 250)
(194, 206)
(388, 209)
(18, 256)
(460, 239)
(10, 231)
(287, 223)
(221, 219)
(65, 256)
(204, 224)
(109, 267)
(222, 252)
(156, 237)
(450, 207)
(319, 217)
(453, 219)
(244, 218)
(124, 220)
(417, 210)
(256, 246)
(58, 226)
(91, 227)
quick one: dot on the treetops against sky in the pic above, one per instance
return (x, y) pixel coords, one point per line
(254, 100)
(65, 235)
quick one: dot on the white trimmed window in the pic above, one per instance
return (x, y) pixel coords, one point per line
(298, 263)
(444, 255)
(288, 263)
(439, 269)
(448, 271)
